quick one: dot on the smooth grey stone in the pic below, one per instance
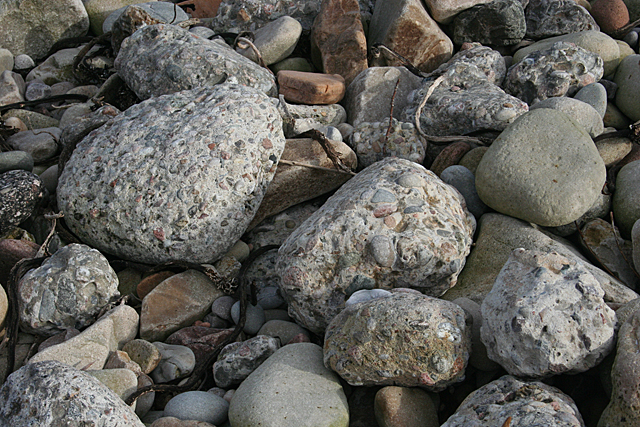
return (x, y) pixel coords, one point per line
(23, 62)
(13, 160)
(199, 406)
(221, 307)
(275, 41)
(626, 199)
(595, 95)
(42, 144)
(366, 295)
(50, 178)
(282, 329)
(37, 89)
(269, 298)
(465, 182)
(635, 239)
(177, 361)
(628, 80)
(580, 111)
(254, 317)
(201, 31)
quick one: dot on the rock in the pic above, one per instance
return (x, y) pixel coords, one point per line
(445, 11)
(593, 41)
(168, 202)
(122, 382)
(157, 11)
(254, 317)
(626, 206)
(471, 158)
(625, 50)
(614, 118)
(478, 358)
(338, 41)
(150, 282)
(613, 150)
(37, 89)
(497, 23)
(635, 239)
(595, 95)
(187, 61)
(293, 183)
(92, 347)
(406, 28)
(560, 70)
(28, 29)
(524, 403)
(6, 60)
(290, 389)
(544, 168)
(275, 41)
(20, 193)
(119, 360)
(12, 251)
(610, 15)
(175, 422)
(548, 18)
(627, 77)
(198, 406)
(373, 142)
(366, 295)
(145, 354)
(200, 339)
(41, 144)
(177, 361)
(583, 113)
(75, 114)
(238, 15)
(311, 88)
(56, 68)
(372, 233)
(30, 119)
(15, 160)
(175, 303)
(49, 178)
(275, 230)
(23, 62)
(283, 330)
(362, 98)
(465, 182)
(99, 10)
(67, 290)
(239, 359)
(293, 64)
(53, 394)
(600, 209)
(449, 156)
(12, 88)
(405, 407)
(221, 307)
(498, 235)
(428, 345)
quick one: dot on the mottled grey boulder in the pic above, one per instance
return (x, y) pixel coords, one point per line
(395, 224)
(161, 59)
(239, 359)
(51, 394)
(20, 193)
(626, 199)
(249, 15)
(404, 339)
(67, 291)
(498, 23)
(373, 142)
(583, 113)
(547, 18)
(184, 181)
(544, 168)
(292, 388)
(560, 70)
(546, 315)
(525, 403)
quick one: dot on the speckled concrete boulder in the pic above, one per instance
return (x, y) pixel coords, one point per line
(545, 316)
(373, 142)
(67, 291)
(405, 339)
(242, 15)
(239, 359)
(547, 18)
(525, 403)
(161, 59)
(51, 394)
(544, 168)
(184, 181)
(395, 224)
(20, 193)
(560, 70)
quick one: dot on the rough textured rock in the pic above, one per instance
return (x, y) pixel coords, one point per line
(546, 315)
(145, 354)
(627, 77)
(583, 113)
(51, 394)
(498, 23)
(159, 191)
(249, 15)
(20, 193)
(548, 18)
(238, 360)
(405, 27)
(338, 42)
(67, 290)
(560, 70)
(544, 168)
(27, 27)
(373, 142)
(406, 340)
(11, 87)
(141, 14)
(393, 225)
(99, 10)
(161, 59)
(406, 407)
(525, 403)
(292, 388)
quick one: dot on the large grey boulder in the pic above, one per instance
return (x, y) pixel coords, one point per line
(162, 59)
(404, 339)
(51, 394)
(292, 388)
(547, 18)
(184, 181)
(583, 113)
(544, 168)
(67, 291)
(627, 76)
(395, 224)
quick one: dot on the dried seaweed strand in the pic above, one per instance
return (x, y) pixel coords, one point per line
(55, 98)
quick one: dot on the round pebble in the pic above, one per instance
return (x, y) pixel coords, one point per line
(221, 307)
(198, 405)
(254, 318)
(16, 160)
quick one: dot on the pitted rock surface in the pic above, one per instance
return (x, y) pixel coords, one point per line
(395, 224)
(488, 61)
(525, 403)
(239, 359)
(560, 70)
(20, 193)
(547, 18)
(184, 181)
(249, 15)
(372, 143)
(51, 394)
(67, 291)
(545, 316)
(162, 59)
(404, 339)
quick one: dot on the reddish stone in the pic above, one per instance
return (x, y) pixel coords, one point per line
(450, 156)
(311, 88)
(147, 284)
(202, 8)
(610, 15)
(12, 251)
(199, 339)
(338, 42)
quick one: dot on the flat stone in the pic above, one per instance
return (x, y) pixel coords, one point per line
(275, 41)
(445, 11)
(12, 87)
(613, 150)
(595, 95)
(56, 68)
(15, 160)
(311, 88)
(254, 317)
(200, 339)
(123, 382)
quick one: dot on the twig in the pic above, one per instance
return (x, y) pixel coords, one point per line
(55, 98)
(44, 248)
(594, 254)
(306, 165)
(376, 51)
(507, 422)
(326, 146)
(393, 100)
(621, 32)
(253, 47)
(615, 236)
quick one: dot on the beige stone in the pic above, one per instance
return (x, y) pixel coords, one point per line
(311, 88)
(444, 11)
